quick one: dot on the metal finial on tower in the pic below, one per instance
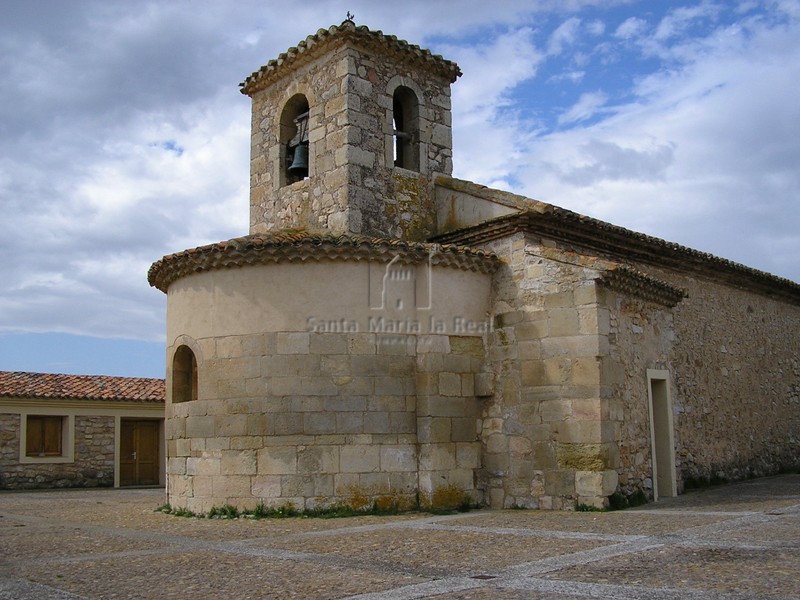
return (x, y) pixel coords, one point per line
(351, 17)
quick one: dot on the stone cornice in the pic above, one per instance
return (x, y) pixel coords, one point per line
(281, 247)
(634, 283)
(346, 33)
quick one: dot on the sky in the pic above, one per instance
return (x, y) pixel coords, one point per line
(124, 137)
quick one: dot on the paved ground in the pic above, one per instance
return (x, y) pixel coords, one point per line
(738, 541)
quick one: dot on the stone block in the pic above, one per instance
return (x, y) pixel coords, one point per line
(463, 429)
(202, 465)
(390, 386)
(402, 422)
(585, 371)
(456, 363)
(376, 422)
(346, 404)
(437, 457)
(555, 410)
(277, 460)
(359, 459)
(468, 455)
(588, 409)
(589, 483)
(319, 386)
(445, 407)
(470, 346)
(306, 404)
(182, 447)
(581, 457)
(349, 422)
(483, 384)
(287, 423)
(585, 432)
(496, 443)
(230, 425)
(241, 462)
(176, 466)
(586, 293)
(433, 429)
(563, 299)
(563, 322)
(449, 384)
(266, 486)
(328, 343)
(532, 330)
(318, 459)
(301, 486)
(286, 386)
(427, 344)
(559, 483)
(319, 423)
(200, 427)
(398, 458)
(293, 342)
(361, 343)
(572, 346)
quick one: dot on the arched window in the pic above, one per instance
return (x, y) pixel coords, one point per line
(405, 111)
(294, 140)
(184, 375)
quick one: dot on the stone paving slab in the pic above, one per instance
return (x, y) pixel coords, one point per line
(734, 542)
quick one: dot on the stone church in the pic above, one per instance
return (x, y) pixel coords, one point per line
(387, 330)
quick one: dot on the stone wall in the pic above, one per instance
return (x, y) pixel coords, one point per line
(736, 365)
(548, 442)
(93, 463)
(315, 419)
(641, 335)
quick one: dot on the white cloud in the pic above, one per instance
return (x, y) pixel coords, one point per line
(632, 27)
(564, 36)
(585, 108)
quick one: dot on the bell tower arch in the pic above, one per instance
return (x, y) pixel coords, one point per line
(349, 130)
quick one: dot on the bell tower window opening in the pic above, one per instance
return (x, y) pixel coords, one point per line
(295, 154)
(405, 113)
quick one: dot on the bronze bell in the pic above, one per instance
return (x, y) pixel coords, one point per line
(299, 166)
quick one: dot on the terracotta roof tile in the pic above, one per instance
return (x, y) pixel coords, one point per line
(301, 246)
(315, 44)
(21, 384)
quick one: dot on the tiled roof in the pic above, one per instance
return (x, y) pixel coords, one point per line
(19, 384)
(302, 246)
(635, 283)
(311, 47)
(586, 233)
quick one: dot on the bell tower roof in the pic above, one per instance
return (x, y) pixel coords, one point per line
(347, 33)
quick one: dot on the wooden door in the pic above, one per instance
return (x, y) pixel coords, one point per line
(138, 449)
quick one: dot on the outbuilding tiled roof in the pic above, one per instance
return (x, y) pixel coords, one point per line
(20, 384)
(302, 246)
(315, 44)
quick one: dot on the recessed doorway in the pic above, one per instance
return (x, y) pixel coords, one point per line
(662, 437)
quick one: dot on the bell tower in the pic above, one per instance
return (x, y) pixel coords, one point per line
(349, 130)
